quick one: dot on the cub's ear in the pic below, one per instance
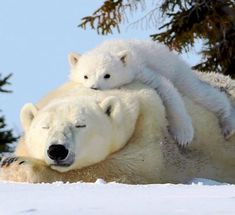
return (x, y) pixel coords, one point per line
(123, 56)
(73, 59)
(112, 107)
(27, 115)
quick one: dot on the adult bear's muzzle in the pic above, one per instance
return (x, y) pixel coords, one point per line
(57, 152)
(60, 155)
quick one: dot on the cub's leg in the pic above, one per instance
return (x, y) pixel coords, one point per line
(180, 124)
(211, 98)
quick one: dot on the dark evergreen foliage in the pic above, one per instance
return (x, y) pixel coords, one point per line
(213, 21)
(6, 135)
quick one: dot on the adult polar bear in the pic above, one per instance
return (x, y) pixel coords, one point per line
(148, 156)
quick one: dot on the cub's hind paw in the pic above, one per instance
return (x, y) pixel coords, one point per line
(228, 125)
(228, 129)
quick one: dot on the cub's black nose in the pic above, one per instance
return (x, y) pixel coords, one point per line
(57, 152)
(94, 88)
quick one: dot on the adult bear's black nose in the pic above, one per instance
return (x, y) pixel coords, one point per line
(57, 152)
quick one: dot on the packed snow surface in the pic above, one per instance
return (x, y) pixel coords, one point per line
(100, 198)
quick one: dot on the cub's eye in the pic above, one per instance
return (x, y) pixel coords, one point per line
(80, 126)
(85, 77)
(46, 127)
(107, 76)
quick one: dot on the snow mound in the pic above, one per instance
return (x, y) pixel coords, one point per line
(101, 198)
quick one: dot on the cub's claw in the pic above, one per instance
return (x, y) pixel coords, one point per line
(182, 136)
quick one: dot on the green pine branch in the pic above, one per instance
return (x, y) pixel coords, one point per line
(212, 21)
(5, 81)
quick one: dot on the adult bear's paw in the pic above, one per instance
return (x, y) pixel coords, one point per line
(12, 160)
(19, 169)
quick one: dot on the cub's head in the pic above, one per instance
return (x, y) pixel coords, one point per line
(77, 132)
(101, 70)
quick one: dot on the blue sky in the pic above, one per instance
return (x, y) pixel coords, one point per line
(35, 39)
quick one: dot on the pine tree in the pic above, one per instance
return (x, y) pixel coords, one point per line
(6, 135)
(212, 21)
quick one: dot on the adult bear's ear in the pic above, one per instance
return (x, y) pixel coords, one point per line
(73, 59)
(124, 56)
(112, 107)
(27, 115)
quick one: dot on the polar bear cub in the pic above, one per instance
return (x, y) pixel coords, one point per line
(118, 62)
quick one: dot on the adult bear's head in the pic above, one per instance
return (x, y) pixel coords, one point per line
(72, 133)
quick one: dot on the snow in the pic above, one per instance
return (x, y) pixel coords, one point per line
(100, 198)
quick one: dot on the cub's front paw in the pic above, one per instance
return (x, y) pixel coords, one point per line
(183, 135)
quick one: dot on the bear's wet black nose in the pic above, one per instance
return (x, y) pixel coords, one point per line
(94, 88)
(57, 152)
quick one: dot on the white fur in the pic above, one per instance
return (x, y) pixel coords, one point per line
(88, 144)
(155, 65)
(149, 154)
